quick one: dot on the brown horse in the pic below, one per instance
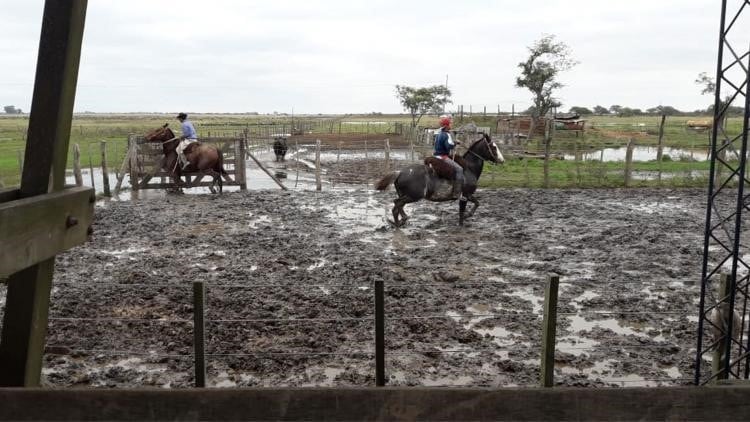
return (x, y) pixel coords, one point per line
(203, 158)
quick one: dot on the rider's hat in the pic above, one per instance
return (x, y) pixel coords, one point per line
(445, 121)
(182, 116)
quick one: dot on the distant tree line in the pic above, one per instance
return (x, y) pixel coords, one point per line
(9, 109)
(621, 111)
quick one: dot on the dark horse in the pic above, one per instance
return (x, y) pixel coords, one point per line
(422, 181)
(203, 158)
(280, 148)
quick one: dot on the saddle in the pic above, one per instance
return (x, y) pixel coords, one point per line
(191, 147)
(442, 168)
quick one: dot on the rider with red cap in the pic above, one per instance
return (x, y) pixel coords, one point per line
(444, 145)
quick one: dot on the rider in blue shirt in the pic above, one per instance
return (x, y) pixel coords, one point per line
(188, 136)
(444, 150)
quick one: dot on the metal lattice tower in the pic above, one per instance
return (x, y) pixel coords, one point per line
(722, 335)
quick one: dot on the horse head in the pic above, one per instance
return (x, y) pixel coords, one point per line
(164, 135)
(486, 149)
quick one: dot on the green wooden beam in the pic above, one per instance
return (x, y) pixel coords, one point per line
(38, 228)
(27, 301)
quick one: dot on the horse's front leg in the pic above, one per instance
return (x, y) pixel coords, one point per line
(474, 208)
(462, 211)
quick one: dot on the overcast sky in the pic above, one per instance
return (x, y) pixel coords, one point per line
(346, 56)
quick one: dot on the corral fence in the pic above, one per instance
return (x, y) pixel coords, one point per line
(144, 163)
(215, 343)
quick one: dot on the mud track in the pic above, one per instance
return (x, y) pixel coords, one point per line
(463, 304)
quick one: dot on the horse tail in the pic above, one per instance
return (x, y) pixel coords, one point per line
(220, 162)
(383, 183)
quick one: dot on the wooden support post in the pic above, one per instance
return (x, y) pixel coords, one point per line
(77, 165)
(28, 293)
(549, 328)
(318, 182)
(105, 169)
(199, 327)
(629, 162)
(717, 361)
(379, 333)
(660, 145)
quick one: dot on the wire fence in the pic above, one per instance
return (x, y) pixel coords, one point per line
(399, 351)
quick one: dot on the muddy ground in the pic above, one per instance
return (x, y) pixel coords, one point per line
(290, 278)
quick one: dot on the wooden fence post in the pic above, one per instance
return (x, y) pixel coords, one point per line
(629, 162)
(19, 154)
(77, 165)
(717, 362)
(199, 301)
(387, 155)
(318, 182)
(123, 167)
(105, 170)
(296, 156)
(549, 327)
(367, 165)
(379, 333)
(660, 145)
(134, 182)
(91, 169)
(547, 142)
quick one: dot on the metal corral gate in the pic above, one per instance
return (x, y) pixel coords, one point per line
(143, 163)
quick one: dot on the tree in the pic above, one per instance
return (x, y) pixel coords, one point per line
(547, 58)
(709, 88)
(615, 109)
(664, 110)
(580, 110)
(9, 109)
(420, 101)
(600, 110)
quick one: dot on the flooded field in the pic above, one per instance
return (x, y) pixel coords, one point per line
(290, 278)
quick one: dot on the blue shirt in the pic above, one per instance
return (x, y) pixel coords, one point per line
(188, 131)
(443, 143)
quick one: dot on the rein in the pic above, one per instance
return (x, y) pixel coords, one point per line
(477, 155)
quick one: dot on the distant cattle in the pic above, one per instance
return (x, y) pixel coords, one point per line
(699, 124)
(280, 148)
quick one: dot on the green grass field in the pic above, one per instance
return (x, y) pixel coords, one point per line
(601, 131)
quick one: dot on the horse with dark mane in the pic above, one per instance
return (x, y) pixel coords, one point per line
(432, 180)
(203, 158)
(280, 148)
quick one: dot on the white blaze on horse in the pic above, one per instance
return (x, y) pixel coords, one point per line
(203, 158)
(431, 180)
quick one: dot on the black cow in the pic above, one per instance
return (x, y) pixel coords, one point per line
(280, 148)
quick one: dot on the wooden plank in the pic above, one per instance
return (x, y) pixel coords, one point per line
(378, 404)
(41, 226)
(27, 303)
(9, 194)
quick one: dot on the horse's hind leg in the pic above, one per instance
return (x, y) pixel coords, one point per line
(398, 210)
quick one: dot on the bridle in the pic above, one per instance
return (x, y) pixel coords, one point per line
(489, 148)
(169, 140)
